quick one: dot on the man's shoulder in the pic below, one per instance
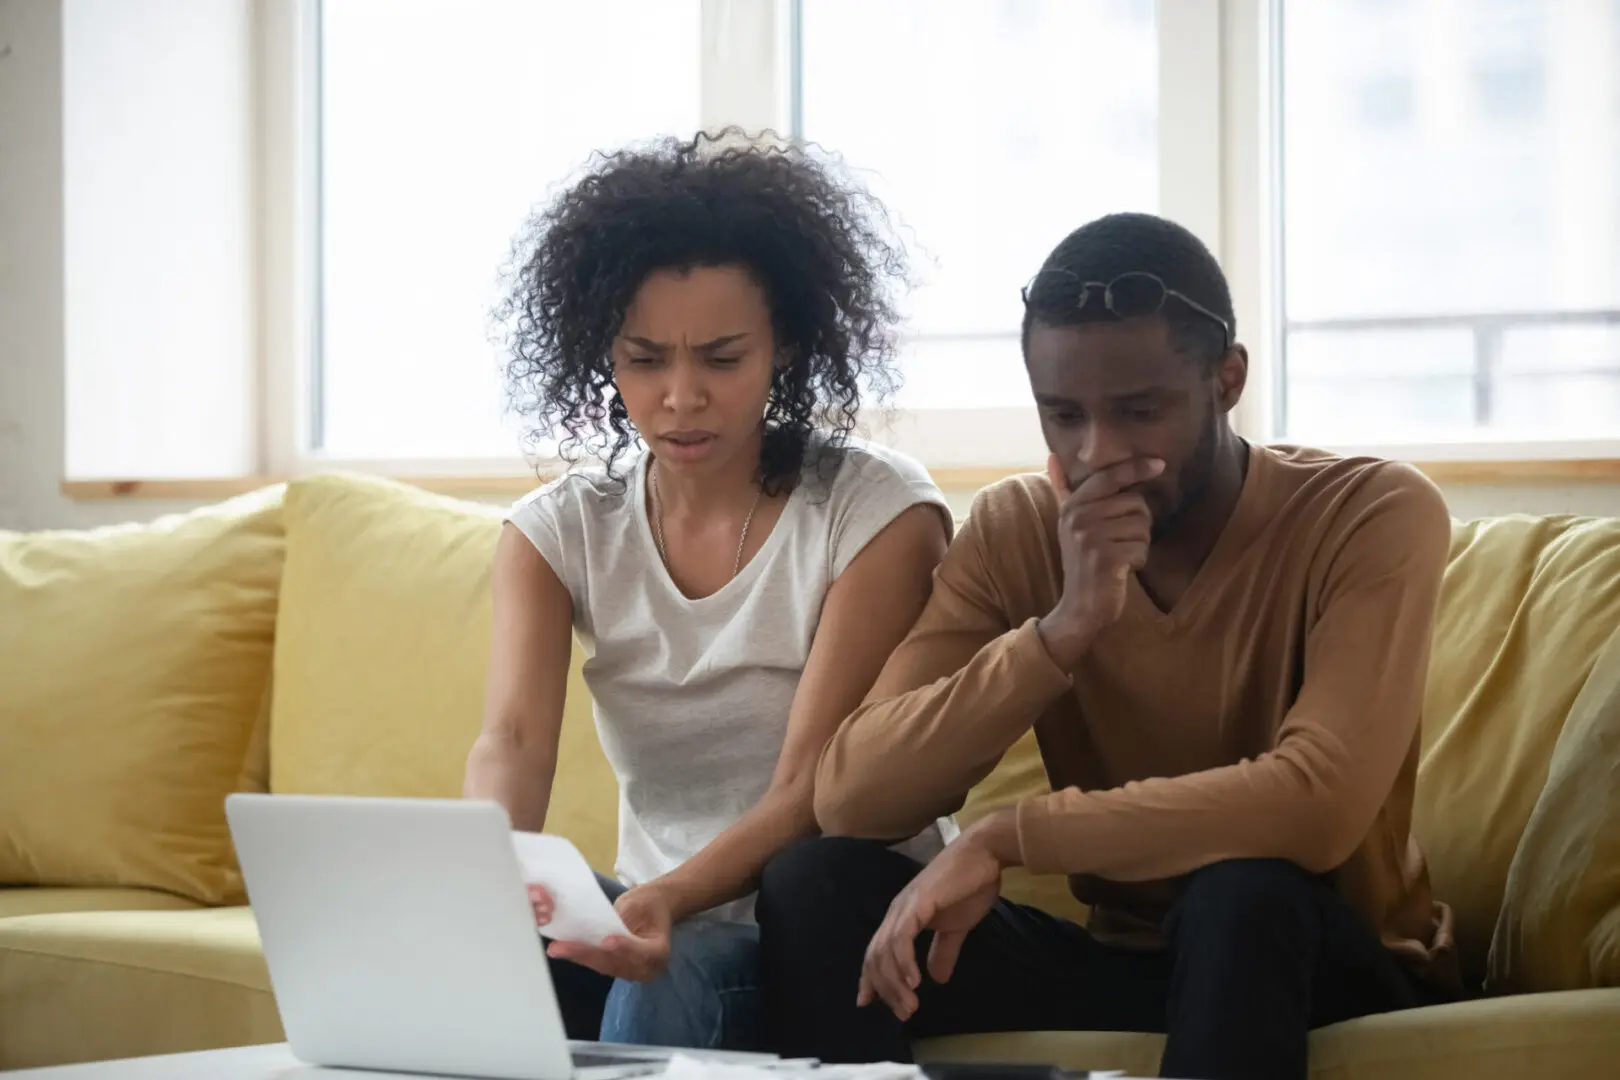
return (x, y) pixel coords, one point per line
(1351, 499)
(1011, 505)
(1013, 521)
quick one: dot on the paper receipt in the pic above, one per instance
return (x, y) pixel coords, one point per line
(581, 911)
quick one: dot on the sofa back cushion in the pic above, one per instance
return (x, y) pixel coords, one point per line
(1560, 923)
(134, 671)
(381, 649)
(1527, 606)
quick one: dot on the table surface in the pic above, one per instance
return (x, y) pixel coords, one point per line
(238, 1063)
(268, 1062)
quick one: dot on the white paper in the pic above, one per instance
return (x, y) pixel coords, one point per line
(581, 911)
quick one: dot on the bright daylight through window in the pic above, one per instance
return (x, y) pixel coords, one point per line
(1449, 230)
(1451, 219)
(984, 140)
(441, 125)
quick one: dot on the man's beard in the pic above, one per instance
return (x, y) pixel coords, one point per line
(1194, 478)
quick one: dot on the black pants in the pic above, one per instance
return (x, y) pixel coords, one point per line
(1259, 952)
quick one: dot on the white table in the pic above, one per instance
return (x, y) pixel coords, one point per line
(240, 1063)
(268, 1062)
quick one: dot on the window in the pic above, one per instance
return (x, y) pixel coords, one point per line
(1455, 278)
(440, 126)
(429, 165)
(991, 135)
(1413, 198)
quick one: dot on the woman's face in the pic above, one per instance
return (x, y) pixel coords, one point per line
(693, 364)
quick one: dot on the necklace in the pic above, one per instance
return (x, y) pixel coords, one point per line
(658, 522)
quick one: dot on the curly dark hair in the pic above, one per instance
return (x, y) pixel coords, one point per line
(819, 244)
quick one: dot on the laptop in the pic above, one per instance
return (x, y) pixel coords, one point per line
(400, 938)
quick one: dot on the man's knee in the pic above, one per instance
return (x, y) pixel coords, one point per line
(1240, 899)
(802, 877)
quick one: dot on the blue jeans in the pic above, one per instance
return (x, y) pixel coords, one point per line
(706, 999)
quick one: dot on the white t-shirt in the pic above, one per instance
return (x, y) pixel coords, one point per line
(692, 696)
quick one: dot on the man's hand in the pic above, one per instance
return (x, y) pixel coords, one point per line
(640, 957)
(1103, 533)
(951, 896)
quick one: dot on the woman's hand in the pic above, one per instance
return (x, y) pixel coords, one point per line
(544, 906)
(640, 957)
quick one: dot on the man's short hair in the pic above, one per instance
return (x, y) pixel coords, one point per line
(1102, 250)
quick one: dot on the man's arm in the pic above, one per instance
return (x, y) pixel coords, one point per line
(962, 687)
(1313, 797)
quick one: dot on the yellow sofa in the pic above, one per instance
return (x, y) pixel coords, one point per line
(329, 636)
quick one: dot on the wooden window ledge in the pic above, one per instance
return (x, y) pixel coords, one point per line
(1549, 471)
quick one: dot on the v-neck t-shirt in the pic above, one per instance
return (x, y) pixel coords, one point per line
(1272, 712)
(691, 696)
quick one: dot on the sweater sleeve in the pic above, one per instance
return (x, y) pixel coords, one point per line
(960, 690)
(1314, 796)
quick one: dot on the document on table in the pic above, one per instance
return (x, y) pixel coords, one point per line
(581, 911)
(691, 1068)
(686, 1067)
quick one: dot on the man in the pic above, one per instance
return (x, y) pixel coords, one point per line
(1222, 649)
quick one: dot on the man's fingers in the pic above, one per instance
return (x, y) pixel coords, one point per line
(1117, 477)
(943, 953)
(905, 955)
(888, 981)
(1125, 506)
(863, 993)
(887, 974)
(897, 996)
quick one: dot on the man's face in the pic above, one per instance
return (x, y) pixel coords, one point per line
(1108, 391)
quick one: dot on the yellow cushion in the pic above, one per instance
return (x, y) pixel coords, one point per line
(381, 650)
(133, 664)
(1019, 775)
(44, 900)
(112, 984)
(1560, 922)
(1526, 607)
(1574, 1034)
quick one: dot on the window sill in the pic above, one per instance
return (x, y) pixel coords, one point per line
(1517, 471)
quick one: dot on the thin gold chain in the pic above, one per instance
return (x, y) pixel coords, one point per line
(658, 522)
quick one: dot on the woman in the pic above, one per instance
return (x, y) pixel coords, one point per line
(737, 584)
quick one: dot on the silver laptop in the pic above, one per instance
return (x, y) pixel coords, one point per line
(400, 938)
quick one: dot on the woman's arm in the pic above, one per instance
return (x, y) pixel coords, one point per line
(868, 611)
(515, 755)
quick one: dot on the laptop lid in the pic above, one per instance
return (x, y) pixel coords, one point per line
(399, 935)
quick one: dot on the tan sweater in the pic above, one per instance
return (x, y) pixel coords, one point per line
(1271, 713)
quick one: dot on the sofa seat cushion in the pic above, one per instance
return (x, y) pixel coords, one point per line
(1571, 1033)
(44, 900)
(93, 985)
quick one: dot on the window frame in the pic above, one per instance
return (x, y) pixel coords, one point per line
(1219, 167)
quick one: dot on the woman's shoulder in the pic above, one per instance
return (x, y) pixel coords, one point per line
(857, 464)
(581, 492)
